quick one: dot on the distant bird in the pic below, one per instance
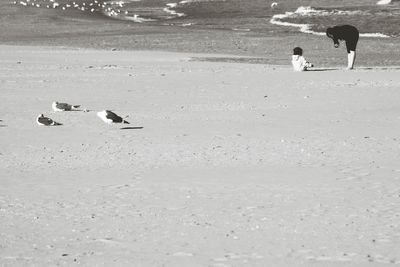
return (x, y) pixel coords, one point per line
(64, 106)
(110, 117)
(44, 121)
(274, 4)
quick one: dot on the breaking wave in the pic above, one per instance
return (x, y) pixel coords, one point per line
(302, 11)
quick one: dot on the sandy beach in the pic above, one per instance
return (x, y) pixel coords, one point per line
(223, 164)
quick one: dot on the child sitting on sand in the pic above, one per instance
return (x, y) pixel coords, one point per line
(298, 61)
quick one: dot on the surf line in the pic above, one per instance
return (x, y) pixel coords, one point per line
(170, 10)
(114, 9)
(302, 11)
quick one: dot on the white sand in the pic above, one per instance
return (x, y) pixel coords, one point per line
(236, 164)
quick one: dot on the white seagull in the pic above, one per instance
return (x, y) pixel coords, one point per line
(64, 106)
(110, 117)
(44, 121)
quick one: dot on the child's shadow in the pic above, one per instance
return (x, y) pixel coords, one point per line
(322, 69)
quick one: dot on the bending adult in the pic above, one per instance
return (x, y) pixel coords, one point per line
(350, 35)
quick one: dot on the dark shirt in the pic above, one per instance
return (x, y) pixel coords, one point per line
(347, 33)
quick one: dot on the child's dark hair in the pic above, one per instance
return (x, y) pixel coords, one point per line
(298, 51)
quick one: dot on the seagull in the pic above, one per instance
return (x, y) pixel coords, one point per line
(42, 120)
(110, 117)
(274, 4)
(63, 106)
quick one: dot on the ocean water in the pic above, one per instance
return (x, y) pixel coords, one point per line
(373, 19)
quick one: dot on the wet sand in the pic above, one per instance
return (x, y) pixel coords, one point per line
(270, 44)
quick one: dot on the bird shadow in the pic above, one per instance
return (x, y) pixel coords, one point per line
(131, 128)
(73, 110)
(3, 125)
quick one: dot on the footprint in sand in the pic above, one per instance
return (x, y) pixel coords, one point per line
(352, 174)
(234, 256)
(109, 241)
(110, 66)
(182, 254)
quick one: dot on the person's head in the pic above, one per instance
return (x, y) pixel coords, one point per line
(329, 32)
(298, 51)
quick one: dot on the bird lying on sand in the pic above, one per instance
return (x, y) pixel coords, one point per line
(64, 106)
(44, 121)
(110, 117)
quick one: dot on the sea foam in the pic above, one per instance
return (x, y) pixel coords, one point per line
(384, 2)
(173, 13)
(306, 11)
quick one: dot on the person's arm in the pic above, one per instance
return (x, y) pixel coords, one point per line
(305, 64)
(335, 41)
(334, 36)
(308, 64)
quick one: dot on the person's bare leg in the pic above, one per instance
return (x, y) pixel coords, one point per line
(350, 59)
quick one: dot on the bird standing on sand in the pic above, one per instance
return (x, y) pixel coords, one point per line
(63, 106)
(44, 121)
(110, 117)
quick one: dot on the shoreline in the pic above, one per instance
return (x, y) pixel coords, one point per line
(207, 57)
(79, 31)
(318, 49)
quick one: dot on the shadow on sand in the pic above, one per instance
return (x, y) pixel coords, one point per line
(378, 68)
(323, 69)
(356, 68)
(131, 128)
